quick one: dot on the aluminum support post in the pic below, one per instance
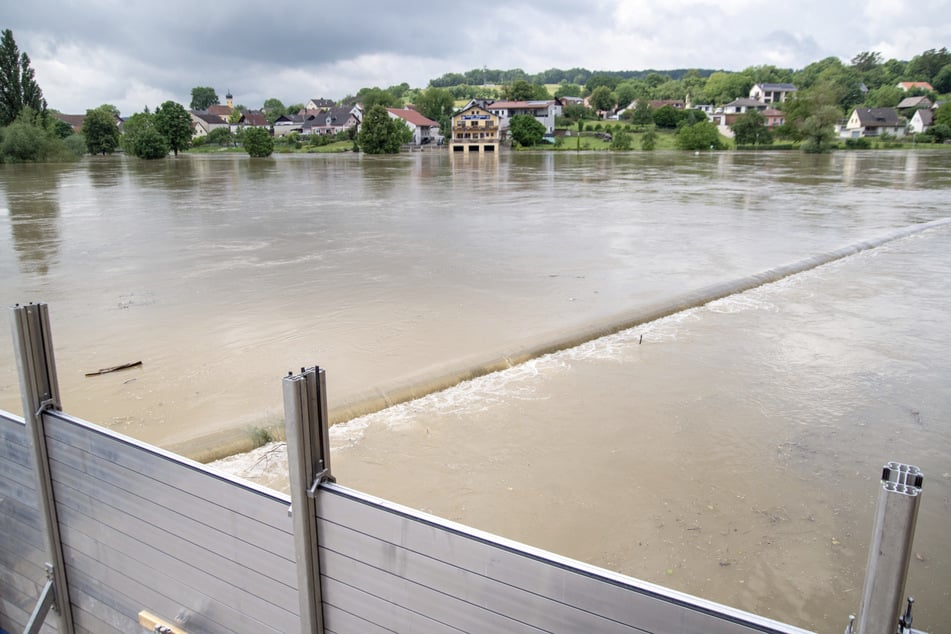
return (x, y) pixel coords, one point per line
(889, 553)
(308, 460)
(39, 388)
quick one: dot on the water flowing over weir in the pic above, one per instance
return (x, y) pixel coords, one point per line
(213, 448)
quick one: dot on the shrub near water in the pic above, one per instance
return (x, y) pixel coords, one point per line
(257, 142)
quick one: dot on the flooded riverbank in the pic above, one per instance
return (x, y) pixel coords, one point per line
(769, 412)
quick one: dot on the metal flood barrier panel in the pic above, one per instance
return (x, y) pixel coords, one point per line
(22, 551)
(385, 568)
(146, 530)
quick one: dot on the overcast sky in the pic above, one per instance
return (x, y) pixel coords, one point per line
(133, 53)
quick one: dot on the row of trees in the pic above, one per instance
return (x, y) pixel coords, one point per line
(27, 131)
(867, 71)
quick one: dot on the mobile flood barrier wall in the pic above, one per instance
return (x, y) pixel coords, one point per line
(120, 536)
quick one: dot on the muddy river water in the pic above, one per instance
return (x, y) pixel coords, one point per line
(731, 450)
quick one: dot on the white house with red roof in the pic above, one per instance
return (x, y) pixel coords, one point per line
(425, 130)
(910, 85)
(543, 111)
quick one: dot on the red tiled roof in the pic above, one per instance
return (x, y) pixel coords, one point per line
(412, 117)
(908, 85)
(221, 111)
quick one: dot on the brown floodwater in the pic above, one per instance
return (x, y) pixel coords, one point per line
(733, 454)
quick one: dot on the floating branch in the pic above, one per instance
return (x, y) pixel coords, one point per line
(115, 368)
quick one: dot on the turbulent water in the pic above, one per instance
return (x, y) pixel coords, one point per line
(731, 451)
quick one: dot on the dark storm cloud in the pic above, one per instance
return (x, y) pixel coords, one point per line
(141, 53)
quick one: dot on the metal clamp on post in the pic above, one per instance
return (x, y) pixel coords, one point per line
(889, 554)
(308, 462)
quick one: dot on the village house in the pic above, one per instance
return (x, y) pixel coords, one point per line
(910, 103)
(771, 93)
(773, 118)
(475, 129)
(873, 122)
(424, 130)
(74, 120)
(319, 104)
(203, 123)
(288, 123)
(543, 111)
(333, 120)
(911, 85)
(921, 121)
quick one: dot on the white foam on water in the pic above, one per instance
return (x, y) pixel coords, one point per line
(267, 462)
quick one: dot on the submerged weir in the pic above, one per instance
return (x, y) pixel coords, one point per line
(230, 442)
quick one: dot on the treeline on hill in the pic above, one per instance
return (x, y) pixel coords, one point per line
(867, 79)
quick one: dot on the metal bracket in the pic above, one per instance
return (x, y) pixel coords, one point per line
(321, 476)
(43, 604)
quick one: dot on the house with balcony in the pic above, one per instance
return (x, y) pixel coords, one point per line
(475, 128)
(772, 93)
(543, 111)
(873, 122)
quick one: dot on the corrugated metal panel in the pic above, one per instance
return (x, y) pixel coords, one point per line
(459, 576)
(143, 529)
(22, 546)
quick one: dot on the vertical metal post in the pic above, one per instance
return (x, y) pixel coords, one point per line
(33, 344)
(308, 459)
(890, 551)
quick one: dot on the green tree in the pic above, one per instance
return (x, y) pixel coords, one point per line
(621, 140)
(649, 140)
(811, 115)
(133, 129)
(435, 103)
(927, 65)
(601, 79)
(23, 141)
(750, 129)
(943, 115)
(257, 142)
(667, 117)
(101, 130)
(576, 111)
(526, 130)
(220, 136)
(150, 145)
(603, 98)
(630, 90)
(519, 90)
(642, 115)
(59, 128)
(202, 97)
(699, 136)
(18, 87)
(568, 90)
(887, 96)
(942, 80)
(371, 97)
(380, 133)
(174, 123)
(723, 87)
(867, 61)
(273, 109)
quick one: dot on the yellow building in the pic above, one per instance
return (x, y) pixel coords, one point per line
(474, 129)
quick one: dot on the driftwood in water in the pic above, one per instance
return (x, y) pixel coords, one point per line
(115, 368)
